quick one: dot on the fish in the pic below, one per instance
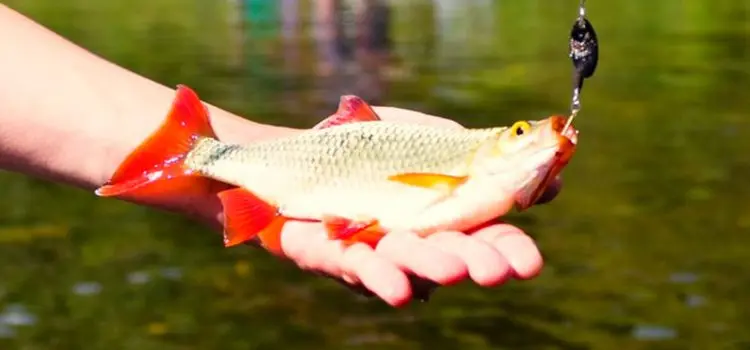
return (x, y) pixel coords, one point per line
(358, 175)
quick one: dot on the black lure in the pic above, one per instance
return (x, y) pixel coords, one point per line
(584, 48)
(584, 52)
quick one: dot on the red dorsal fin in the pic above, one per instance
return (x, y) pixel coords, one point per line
(155, 169)
(352, 109)
(247, 216)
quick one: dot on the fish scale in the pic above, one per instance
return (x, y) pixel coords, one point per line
(357, 152)
(345, 169)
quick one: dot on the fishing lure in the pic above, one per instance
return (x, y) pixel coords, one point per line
(584, 53)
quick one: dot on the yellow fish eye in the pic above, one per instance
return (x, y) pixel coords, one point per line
(520, 127)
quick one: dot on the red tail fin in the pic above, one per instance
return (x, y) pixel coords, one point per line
(156, 168)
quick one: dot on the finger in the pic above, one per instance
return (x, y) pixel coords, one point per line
(309, 247)
(487, 267)
(412, 253)
(354, 287)
(518, 249)
(377, 274)
(409, 116)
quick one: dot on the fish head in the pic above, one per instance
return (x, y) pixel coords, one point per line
(527, 157)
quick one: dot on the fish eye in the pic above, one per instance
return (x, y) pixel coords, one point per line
(520, 127)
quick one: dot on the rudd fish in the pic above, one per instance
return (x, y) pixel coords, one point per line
(358, 175)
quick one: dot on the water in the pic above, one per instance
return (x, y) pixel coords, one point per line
(646, 247)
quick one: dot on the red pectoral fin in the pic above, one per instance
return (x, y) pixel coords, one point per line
(351, 231)
(343, 228)
(370, 236)
(247, 216)
(432, 181)
(352, 109)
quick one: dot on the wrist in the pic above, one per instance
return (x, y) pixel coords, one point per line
(230, 128)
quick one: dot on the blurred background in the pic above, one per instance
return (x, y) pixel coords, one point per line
(647, 246)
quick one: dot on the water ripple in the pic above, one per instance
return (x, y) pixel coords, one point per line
(87, 288)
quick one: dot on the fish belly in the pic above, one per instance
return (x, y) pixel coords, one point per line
(474, 203)
(392, 204)
(400, 207)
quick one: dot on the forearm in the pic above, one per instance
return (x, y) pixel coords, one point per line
(69, 116)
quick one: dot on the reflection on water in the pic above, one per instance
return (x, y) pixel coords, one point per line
(172, 273)
(694, 300)
(646, 247)
(138, 277)
(652, 332)
(13, 316)
(683, 277)
(87, 288)
(17, 315)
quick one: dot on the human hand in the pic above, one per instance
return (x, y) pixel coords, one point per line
(404, 266)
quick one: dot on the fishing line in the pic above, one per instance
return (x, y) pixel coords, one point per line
(584, 52)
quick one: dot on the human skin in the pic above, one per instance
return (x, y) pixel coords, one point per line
(59, 102)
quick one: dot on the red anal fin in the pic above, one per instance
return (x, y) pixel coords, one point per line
(270, 237)
(155, 169)
(247, 216)
(352, 109)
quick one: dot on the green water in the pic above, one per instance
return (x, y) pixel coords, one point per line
(647, 247)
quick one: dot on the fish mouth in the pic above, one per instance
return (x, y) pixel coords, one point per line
(567, 136)
(566, 139)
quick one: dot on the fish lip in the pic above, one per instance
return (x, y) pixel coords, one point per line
(567, 140)
(564, 135)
